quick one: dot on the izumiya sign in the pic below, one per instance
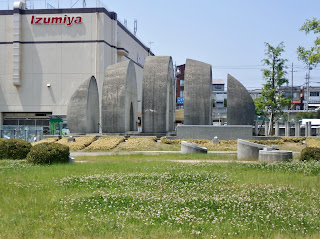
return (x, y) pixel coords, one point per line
(56, 20)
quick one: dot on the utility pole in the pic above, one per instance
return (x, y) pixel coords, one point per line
(308, 82)
(292, 83)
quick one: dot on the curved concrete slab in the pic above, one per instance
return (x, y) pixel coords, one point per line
(119, 99)
(192, 148)
(241, 109)
(158, 103)
(248, 150)
(197, 93)
(83, 108)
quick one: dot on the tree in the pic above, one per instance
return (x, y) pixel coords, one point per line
(310, 57)
(271, 100)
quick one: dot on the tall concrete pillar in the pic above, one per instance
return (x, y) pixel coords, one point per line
(197, 93)
(158, 103)
(1, 118)
(266, 128)
(276, 126)
(309, 129)
(256, 128)
(287, 128)
(306, 129)
(119, 98)
(297, 129)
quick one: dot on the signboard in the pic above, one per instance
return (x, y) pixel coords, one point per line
(67, 20)
(180, 101)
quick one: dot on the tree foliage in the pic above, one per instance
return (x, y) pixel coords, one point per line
(271, 101)
(308, 115)
(310, 57)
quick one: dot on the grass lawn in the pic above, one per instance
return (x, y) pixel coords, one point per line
(139, 196)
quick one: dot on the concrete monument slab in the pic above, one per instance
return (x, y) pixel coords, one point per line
(227, 132)
(119, 99)
(158, 103)
(83, 108)
(197, 93)
(241, 109)
(192, 148)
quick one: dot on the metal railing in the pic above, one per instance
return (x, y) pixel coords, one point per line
(25, 132)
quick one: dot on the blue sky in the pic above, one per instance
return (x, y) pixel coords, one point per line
(228, 34)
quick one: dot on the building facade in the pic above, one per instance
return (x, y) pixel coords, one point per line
(46, 54)
(180, 86)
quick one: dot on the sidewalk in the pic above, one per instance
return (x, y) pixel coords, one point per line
(80, 153)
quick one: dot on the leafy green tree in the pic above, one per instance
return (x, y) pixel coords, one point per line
(310, 57)
(271, 101)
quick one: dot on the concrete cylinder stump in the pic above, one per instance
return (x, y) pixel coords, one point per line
(275, 156)
(119, 99)
(83, 108)
(192, 148)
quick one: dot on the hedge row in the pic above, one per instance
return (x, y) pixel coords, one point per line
(48, 153)
(14, 149)
(310, 154)
(44, 153)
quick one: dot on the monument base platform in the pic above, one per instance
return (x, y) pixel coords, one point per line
(225, 132)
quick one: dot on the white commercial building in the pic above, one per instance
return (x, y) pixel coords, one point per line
(45, 54)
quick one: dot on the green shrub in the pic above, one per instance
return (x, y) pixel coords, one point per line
(310, 154)
(48, 153)
(14, 148)
(293, 139)
(3, 149)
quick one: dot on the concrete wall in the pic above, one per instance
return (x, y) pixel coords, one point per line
(62, 56)
(209, 132)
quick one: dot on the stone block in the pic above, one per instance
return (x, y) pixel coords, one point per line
(197, 93)
(192, 148)
(71, 139)
(227, 132)
(275, 156)
(119, 99)
(215, 140)
(241, 109)
(249, 150)
(83, 108)
(158, 102)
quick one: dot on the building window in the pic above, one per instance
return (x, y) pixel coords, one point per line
(181, 93)
(181, 82)
(314, 93)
